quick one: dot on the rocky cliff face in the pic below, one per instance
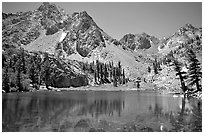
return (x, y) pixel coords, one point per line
(67, 36)
(51, 30)
(139, 41)
(82, 37)
(75, 38)
(43, 30)
(24, 28)
(185, 36)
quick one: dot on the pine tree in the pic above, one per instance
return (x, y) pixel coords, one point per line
(101, 73)
(112, 64)
(19, 78)
(149, 69)
(5, 83)
(106, 74)
(14, 60)
(119, 70)
(95, 76)
(3, 60)
(46, 71)
(84, 67)
(114, 77)
(39, 68)
(91, 67)
(181, 74)
(155, 66)
(34, 74)
(111, 71)
(23, 61)
(123, 76)
(97, 68)
(194, 72)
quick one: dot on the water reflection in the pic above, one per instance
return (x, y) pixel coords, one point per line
(18, 110)
(66, 111)
(188, 118)
(103, 107)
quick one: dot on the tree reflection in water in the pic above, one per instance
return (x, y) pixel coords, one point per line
(67, 112)
(188, 119)
(38, 111)
(196, 119)
(103, 107)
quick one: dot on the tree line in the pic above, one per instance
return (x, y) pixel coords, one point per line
(23, 71)
(106, 72)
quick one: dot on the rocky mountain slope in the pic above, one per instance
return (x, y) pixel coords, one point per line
(69, 36)
(186, 37)
(140, 42)
(75, 38)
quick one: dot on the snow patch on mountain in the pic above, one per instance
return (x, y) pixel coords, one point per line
(63, 35)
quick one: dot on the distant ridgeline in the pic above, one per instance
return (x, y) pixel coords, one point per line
(50, 47)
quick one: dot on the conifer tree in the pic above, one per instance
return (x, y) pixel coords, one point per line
(123, 76)
(101, 73)
(14, 61)
(84, 67)
(105, 73)
(111, 72)
(194, 72)
(155, 66)
(23, 61)
(46, 71)
(95, 77)
(38, 64)
(5, 82)
(91, 67)
(33, 73)
(19, 77)
(3, 60)
(119, 70)
(114, 77)
(149, 69)
(97, 68)
(182, 77)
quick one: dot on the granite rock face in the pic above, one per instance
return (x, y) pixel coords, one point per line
(138, 41)
(75, 38)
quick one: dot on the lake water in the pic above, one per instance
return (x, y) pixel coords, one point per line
(99, 111)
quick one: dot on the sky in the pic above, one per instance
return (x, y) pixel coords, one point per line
(119, 18)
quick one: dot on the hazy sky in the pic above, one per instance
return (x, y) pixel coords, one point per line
(118, 19)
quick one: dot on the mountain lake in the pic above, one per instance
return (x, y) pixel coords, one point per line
(109, 111)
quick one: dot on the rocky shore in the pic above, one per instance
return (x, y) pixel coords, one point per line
(127, 87)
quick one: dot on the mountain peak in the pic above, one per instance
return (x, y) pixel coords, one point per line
(85, 15)
(187, 27)
(46, 3)
(183, 29)
(145, 34)
(47, 6)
